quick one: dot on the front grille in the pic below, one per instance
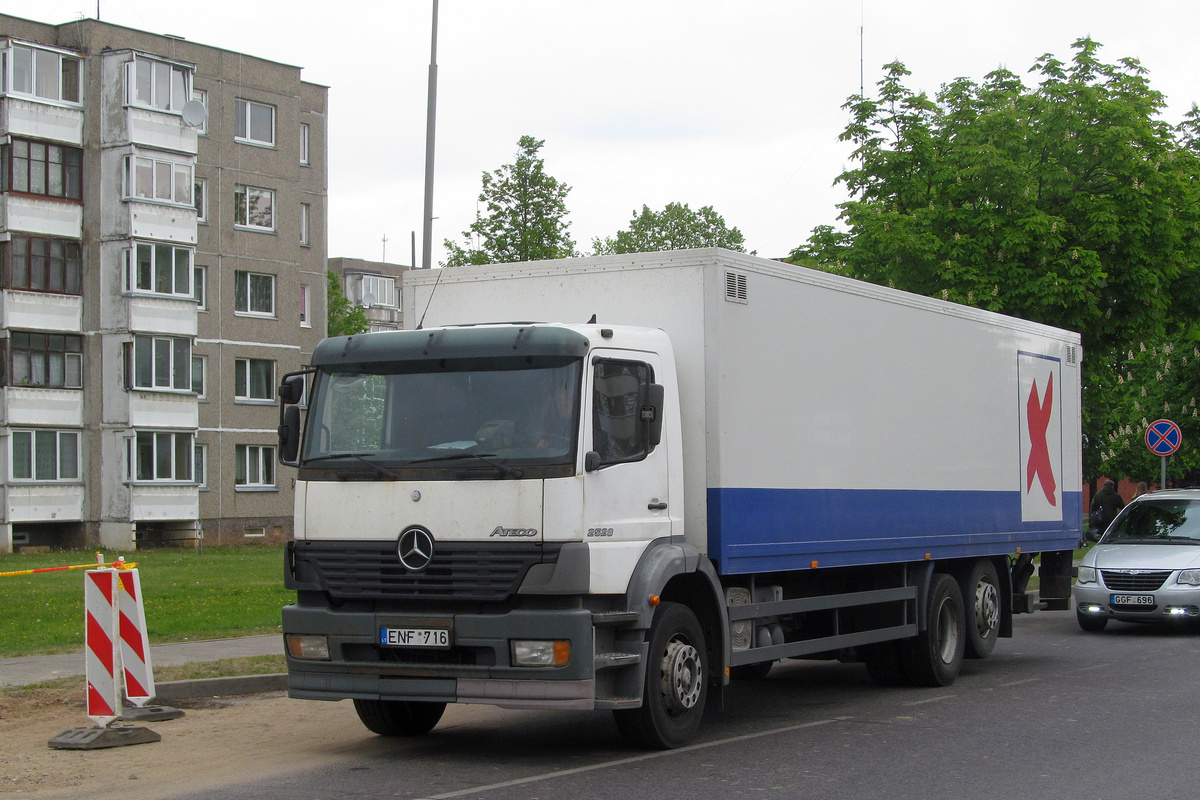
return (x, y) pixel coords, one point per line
(1127, 581)
(482, 572)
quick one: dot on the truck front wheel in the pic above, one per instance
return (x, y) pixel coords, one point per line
(399, 717)
(934, 656)
(676, 684)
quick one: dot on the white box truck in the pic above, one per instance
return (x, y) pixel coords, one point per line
(617, 482)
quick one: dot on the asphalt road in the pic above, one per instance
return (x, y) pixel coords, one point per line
(1053, 713)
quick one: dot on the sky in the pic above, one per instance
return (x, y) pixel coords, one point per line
(734, 105)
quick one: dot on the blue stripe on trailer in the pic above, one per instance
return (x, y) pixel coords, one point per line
(766, 530)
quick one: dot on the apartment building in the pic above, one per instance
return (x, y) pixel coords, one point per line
(162, 265)
(375, 286)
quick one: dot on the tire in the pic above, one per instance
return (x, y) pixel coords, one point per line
(751, 672)
(676, 684)
(885, 664)
(1091, 624)
(934, 656)
(399, 717)
(981, 596)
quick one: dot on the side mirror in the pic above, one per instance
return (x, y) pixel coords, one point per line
(652, 414)
(289, 435)
(591, 461)
(291, 391)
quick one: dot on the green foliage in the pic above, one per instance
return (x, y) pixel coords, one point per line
(526, 215)
(1069, 203)
(676, 227)
(221, 592)
(342, 316)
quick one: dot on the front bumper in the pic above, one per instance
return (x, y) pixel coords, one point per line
(476, 668)
(1171, 603)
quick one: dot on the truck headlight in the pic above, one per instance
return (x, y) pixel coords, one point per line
(307, 647)
(538, 653)
(1189, 577)
(1086, 575)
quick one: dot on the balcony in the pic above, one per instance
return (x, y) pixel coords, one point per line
(30, 405)
(45, 502)
(40, 120)
(163, 410)
(154, 502)
(41, 217)
(40, 311)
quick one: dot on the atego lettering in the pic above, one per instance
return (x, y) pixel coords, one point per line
(502, 531)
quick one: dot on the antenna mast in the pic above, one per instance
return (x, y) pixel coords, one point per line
(430, 116)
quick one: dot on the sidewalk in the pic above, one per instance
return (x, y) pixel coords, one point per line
(34, 669)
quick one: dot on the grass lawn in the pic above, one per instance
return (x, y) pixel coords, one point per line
(224, 591)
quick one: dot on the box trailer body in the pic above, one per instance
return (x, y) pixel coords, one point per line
(831, 461)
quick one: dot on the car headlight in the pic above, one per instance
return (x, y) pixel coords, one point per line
(1086, 575)
(1190, 577)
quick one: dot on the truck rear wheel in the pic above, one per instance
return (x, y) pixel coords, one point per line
(399, 717)
(981, 594)
(676, 684)
(934, 656)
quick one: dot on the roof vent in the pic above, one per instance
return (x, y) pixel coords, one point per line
(735, 287)
(1072, 355)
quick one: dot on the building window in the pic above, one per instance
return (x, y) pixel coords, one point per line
(199, 375)
(305, 143)
(201, 97)
(162, 363)
(200, 471)
(157, 84)
(46, 359)
(159, 269)
(377, 290)
(44, 74)
(254, 293)
(49, 170)
(162, 456)
(255, 466)
(200, 287)
(255, 123)
(255, 379)
(254, 208)
(37, 264)
(304, 216)
(305, 300)
(153, 179)
(200, 197)
(45, 455)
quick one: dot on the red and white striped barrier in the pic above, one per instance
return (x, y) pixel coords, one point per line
(116, 637)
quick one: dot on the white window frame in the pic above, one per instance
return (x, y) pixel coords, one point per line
(305, 219)
(172, 274)
(242, 383)
(165, 360)
(144, 178)
(200, 286)
(200, 364)
(200, 199)
(245, 202)
(246, 114)
(305, 144)
(159, 441)
(377, 285)
(250, 278)
(200, 468)
(45, 74)
(254, 467)
(29, 437)
(305, 307)
(150, 94)
(202, 96)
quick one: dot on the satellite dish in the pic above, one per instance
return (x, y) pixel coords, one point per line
(368, 299)
(194, 113)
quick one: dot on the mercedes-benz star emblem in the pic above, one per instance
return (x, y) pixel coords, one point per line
(415, 549)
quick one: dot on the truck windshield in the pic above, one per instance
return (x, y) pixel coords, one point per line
(493, 414)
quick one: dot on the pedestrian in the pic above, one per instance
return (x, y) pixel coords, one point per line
(1142, 489)
(1105, 507)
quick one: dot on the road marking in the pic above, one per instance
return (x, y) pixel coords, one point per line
(931, 700)
(1018, 683)
(633, 759)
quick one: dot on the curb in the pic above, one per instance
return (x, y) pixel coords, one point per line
(217, 687)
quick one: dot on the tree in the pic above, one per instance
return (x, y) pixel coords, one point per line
(342, 317)
(1069, 203)
(676, 227)
(526, 211)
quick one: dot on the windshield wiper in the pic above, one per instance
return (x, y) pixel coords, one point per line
(384, 471)
(487, 458)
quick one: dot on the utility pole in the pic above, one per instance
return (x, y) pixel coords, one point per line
(430, 117)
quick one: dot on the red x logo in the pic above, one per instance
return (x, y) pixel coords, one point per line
(1038, 414)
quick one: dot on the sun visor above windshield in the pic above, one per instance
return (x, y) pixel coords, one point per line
(488, 341)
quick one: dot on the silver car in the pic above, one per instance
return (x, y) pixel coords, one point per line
(1146, 567)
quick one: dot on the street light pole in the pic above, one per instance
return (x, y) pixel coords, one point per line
(430, 117)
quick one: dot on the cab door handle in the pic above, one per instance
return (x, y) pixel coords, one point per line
(656, 506)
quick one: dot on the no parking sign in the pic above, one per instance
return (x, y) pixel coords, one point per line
(1163, 437)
